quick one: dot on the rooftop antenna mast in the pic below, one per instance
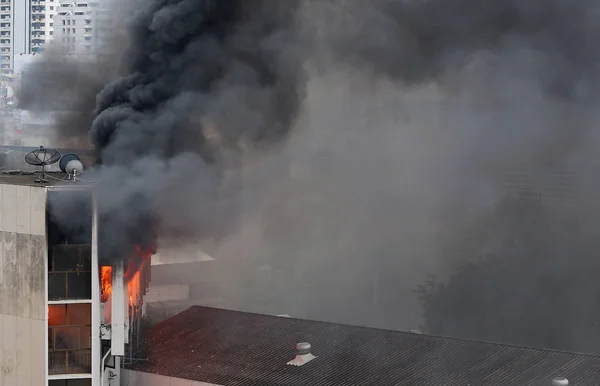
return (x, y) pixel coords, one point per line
(42, 157)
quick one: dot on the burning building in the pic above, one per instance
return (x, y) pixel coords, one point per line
(66, 318)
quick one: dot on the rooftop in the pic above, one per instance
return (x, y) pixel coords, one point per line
(236, 348)
(14, 170)
(53, 179)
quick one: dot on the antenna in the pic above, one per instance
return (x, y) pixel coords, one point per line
(72, 165)
(42, 157)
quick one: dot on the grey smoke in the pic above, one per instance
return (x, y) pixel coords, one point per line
(64, 86)
(345, 146)
(415, 112)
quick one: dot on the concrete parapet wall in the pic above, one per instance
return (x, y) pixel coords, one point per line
(23, 312)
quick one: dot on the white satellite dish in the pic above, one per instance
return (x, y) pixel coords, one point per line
(72, 165)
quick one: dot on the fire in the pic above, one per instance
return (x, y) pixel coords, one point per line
(135, 276)
(106, 283)
(133, 273)
(134, 287)
(140, 257)
(56, 315)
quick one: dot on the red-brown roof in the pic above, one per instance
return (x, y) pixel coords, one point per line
(236, 348)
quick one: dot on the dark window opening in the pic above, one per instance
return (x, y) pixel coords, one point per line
(69, 223)
(70, 273)
(70, 382)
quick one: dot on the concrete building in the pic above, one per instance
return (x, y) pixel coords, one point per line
(52, 328)
(51, 10)
(25, 27)
(65, 319)
(42, 23)
(47, 291)
(23, 352)
(80, 25)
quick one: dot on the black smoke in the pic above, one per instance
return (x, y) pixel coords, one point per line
(204, 79)
(415, 111)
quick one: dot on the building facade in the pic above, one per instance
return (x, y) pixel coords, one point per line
(25, 27)
(84, 27)
(54, 328)
(22, 285)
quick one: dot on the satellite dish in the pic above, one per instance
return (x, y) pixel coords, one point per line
(71, 164)
(42, 157)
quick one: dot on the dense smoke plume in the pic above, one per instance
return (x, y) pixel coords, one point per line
(204, 78)
(346, 146)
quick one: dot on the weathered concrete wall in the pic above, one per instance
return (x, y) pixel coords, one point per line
(22, 286)
(137, 378)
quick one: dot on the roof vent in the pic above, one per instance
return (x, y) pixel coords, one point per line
(303, 355)
(416, 331)
(560, 381)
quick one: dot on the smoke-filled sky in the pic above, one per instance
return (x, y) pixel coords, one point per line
(346, 143)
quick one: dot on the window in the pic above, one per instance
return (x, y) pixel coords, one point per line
(70, 382)
(70, 275)
(69, 338)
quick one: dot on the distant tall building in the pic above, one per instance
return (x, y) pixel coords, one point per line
(25, 27)
(83, 27)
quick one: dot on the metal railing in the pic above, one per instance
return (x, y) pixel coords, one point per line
(69, 362)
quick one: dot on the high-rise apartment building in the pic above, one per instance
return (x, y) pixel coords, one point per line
(25, 27)
(82, 27)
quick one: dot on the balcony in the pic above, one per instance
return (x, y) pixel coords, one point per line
(69, 362)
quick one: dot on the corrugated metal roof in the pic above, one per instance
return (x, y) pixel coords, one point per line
(236, 348)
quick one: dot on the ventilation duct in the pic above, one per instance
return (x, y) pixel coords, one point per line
(303, 355)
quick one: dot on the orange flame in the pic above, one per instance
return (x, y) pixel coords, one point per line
(56, 315)
(141, 255)
(106, 283)
(133, 274)
(134, 287)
